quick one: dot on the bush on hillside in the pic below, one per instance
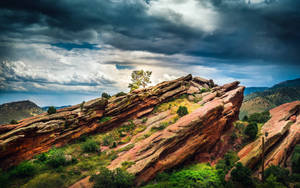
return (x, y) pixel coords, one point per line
(90, 146)
(56, 158)
(259, 117)
(24, 169)
(281, 174)
(182, 111)
(241, 175)
(51, 110)
(45, 181)
(120, 94)
(105, 95)
(13, 121)
(114, 179)
(251, 130)
(296, 160)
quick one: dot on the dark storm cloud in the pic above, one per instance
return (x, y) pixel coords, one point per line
(266, 31)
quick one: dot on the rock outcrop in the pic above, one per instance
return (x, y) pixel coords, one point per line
(202, 135)
(283, 133)
(194, 136)
(38, 134)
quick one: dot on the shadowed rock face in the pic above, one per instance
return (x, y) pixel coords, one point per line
(192, 136)
(283, 134)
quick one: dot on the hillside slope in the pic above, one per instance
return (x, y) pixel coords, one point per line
(18, 110)
(281, 93)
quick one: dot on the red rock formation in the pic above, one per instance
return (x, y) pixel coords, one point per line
(283, 134)
(196, 134)
(38, 134)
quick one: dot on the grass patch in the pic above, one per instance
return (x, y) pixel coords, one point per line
(104, 119)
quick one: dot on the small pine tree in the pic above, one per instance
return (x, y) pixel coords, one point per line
(251, 130)
(105, 95)
(51, 110)
(182, 111)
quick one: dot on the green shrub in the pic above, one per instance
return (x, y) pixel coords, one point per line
(120, 94)
(144, 120)
(271, 182)
(82, 105)
(281, 174)
(105, 95)
(259, 117)
(113, 179)
(200, 175)
(245, 118)
(107, 140)
(104, 119)
(251, 130)
(90, 146)
(24, 169)
(296, 159)
(45, 181)
(241, 175)
(233, 137)
(42, 157)
(13, 121)
(114, 145)
(182, 111)
(127, 164)
(4, 178)
(56, 158)
(51, 110)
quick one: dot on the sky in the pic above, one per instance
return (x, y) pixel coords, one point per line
(64, 52)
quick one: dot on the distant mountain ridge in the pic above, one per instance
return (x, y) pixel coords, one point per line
(18, 110)
(280, 93)
(250, 90)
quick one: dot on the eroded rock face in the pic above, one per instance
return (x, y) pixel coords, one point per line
(192, 136)
(283, 134)
(38, 134)
(196, 136)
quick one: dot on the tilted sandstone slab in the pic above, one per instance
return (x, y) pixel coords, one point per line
(38, 134)
(197, 133)
(283, 134)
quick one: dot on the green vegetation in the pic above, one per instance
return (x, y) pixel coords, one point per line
(161, 126)
(251, 131)
(104, 119)
(199, 175)
(105, 95)
(46, 181)
(224, 165)
(127, 164)
(82, 105)
(241, 175)
(281, 174)
(259, 117)
(296, 159)
(182, 111)
(90, 146)
(120, 94)
(13, 121)
(113, 179)
(56, 158)
(24, 169)
(51, 110)
(139, 78)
